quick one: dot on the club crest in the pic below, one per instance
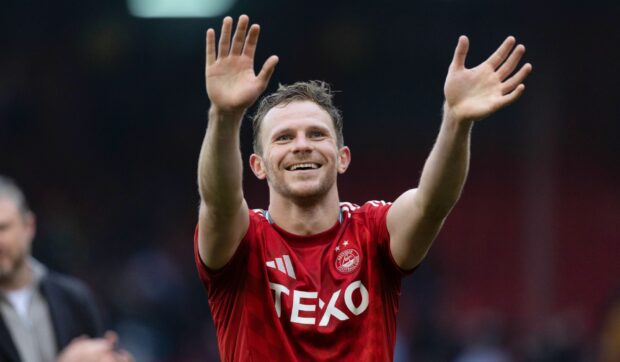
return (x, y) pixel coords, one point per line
(348, 260)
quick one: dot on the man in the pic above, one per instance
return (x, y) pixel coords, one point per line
(311, 278)
(43, 315)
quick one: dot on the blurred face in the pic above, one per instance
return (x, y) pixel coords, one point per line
(300, 156)
(16, 233)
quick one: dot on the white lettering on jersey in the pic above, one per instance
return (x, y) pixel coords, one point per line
(298, 305)
(279, 289)
(330, 309)
(348, 300)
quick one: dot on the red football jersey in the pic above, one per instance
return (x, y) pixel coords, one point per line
(330, 296)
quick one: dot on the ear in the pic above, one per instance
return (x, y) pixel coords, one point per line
(257, 166)
(344, 159)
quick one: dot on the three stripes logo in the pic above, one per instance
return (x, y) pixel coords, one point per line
(282, 264)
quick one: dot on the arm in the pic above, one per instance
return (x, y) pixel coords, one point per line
(416, 217)
(232, 87)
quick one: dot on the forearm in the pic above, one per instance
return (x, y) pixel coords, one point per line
(220, 164)
(471, 95)
(446, 168)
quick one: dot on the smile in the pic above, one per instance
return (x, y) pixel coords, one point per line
(303, 166)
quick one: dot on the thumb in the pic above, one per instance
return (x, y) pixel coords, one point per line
(268, 69)
(460, 53)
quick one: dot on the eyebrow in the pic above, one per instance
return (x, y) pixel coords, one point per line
(310, 128)
(281, 132)
(320, 128)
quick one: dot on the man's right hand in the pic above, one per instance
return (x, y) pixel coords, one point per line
(232, 85)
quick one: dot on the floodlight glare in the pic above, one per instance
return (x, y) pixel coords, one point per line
(178, 8)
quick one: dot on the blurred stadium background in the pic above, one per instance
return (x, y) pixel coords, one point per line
(102, 114)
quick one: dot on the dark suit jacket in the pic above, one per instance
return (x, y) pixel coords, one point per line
(72, 310)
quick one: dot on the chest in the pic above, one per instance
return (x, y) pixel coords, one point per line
(323, 281)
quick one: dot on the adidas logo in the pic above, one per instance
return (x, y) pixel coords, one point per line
(285, 266)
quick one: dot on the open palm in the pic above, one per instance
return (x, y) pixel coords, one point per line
(231, 82)
(473, 94)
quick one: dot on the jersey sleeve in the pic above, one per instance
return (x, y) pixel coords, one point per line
(376, 216)
(234, 270)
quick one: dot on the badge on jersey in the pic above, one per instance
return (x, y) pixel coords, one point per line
(348, 259)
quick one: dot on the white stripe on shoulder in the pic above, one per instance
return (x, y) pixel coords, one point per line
(348, 206)
(377, 203)
(260, 212)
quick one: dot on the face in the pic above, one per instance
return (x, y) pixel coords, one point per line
(300, 156)
(16, 233)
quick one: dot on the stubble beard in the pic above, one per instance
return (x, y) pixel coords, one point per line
(305, 196)
(10, 271)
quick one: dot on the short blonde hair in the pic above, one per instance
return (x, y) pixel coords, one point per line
(315, 91)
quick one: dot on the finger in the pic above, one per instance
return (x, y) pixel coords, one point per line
(79, 338)
(111, 337)
(512, 82)
(107, 357)
(250, 43)
(268, 69)
(497, 58)
(239, 39)
(513, 96)
(511, 63)
(210, 46)
(124, 356)
(98, 345)
(460, 53)
(224, 45)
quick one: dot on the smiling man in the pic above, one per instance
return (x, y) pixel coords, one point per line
(310, 277)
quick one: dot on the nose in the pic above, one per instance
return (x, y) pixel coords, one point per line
(302, 144)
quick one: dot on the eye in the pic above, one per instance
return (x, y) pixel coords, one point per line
(283, 138)
(317, 134)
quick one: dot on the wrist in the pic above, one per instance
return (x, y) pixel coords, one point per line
(451, 116)
(227, 115)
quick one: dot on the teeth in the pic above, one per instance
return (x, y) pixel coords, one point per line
(304, 165)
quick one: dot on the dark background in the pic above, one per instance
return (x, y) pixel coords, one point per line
(102, 115)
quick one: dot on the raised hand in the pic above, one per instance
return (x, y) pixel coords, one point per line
(232, 85)
(473, 94)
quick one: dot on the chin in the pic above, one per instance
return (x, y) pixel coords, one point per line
(303, 192)
(307, 194)
(9, 267)
(6, 273)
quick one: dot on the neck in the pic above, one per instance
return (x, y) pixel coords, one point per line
(22, 277)
(305, 216)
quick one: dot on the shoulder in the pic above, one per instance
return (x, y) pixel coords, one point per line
(369, 218)
(259, 219)
(371, 208)
(72, 306)
(67, 286)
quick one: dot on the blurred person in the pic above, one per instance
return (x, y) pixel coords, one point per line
(42, 312)
(311, 277)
